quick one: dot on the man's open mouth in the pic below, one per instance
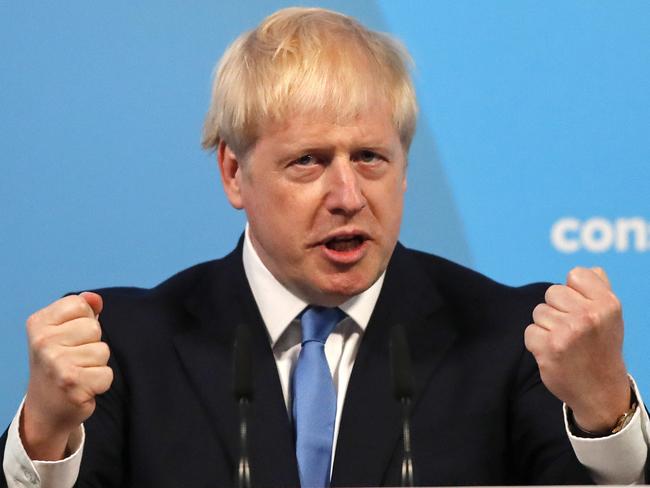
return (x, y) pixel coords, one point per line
(345, 243)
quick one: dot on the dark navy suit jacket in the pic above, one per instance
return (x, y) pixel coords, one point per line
(481, 414)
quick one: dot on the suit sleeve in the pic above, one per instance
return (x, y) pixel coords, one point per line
(542, 454)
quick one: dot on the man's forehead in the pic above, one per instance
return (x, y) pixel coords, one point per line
(372, 127)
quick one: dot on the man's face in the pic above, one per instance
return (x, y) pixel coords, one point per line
(324, 201)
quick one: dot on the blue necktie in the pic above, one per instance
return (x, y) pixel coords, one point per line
(314, 398)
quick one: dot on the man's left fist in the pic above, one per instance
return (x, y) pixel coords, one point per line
(577, 341)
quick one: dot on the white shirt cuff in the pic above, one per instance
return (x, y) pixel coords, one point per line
(20, 471)
(618, 458)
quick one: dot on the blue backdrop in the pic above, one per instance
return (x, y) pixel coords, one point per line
(531, 154)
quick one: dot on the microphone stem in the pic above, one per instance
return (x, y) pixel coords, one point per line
(408, 476)
(243, 469)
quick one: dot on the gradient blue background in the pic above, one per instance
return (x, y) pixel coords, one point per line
(531, 111)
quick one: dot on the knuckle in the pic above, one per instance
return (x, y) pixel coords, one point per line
(528, 334)
(572, 275)
(531, 339)
(96, 330)
(78, 397)
(585, 319)
(104, 352)
(592, 318)
(110, 376)
(538, 312)
(68, 377)
(552, 291)
(33, 322)
(575, 274)
(90, 329)
(77, 306)
(40, 341)
(559, 346)
(614, 303)
(51, 356)
(108, 380)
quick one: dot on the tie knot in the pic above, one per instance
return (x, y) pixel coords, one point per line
(318, 322)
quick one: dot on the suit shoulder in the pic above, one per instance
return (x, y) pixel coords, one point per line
(179, 284)
(468, 288)
(163, 307)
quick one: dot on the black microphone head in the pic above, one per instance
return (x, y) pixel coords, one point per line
(242, 364)
(400, 364)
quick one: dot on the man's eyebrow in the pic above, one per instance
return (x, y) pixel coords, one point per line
(306, 147)
(383, 148)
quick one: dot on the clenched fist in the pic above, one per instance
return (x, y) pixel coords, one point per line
(577, 339)
(68, 368)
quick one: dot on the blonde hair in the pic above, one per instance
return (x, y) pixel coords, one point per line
(304, 60)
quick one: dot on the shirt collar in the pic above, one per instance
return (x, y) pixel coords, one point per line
(278, 306)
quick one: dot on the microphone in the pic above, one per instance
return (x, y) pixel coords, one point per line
(243, 364)
(243, 392)
(403, 389)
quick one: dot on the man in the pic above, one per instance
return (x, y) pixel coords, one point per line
(312, 116)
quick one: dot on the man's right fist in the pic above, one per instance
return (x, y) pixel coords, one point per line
(68, 367)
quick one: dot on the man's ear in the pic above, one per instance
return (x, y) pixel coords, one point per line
(231, 174)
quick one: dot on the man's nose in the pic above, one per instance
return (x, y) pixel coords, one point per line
(345, 194)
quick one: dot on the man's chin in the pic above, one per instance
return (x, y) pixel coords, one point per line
(338, 291)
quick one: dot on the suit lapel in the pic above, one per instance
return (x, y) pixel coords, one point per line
(371, 420)
(220, 302)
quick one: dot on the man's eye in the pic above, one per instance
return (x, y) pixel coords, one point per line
(367, 156)
(305, 160)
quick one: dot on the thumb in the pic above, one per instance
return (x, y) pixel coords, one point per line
(94, 300)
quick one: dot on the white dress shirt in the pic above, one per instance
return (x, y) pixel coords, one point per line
(616, 459)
